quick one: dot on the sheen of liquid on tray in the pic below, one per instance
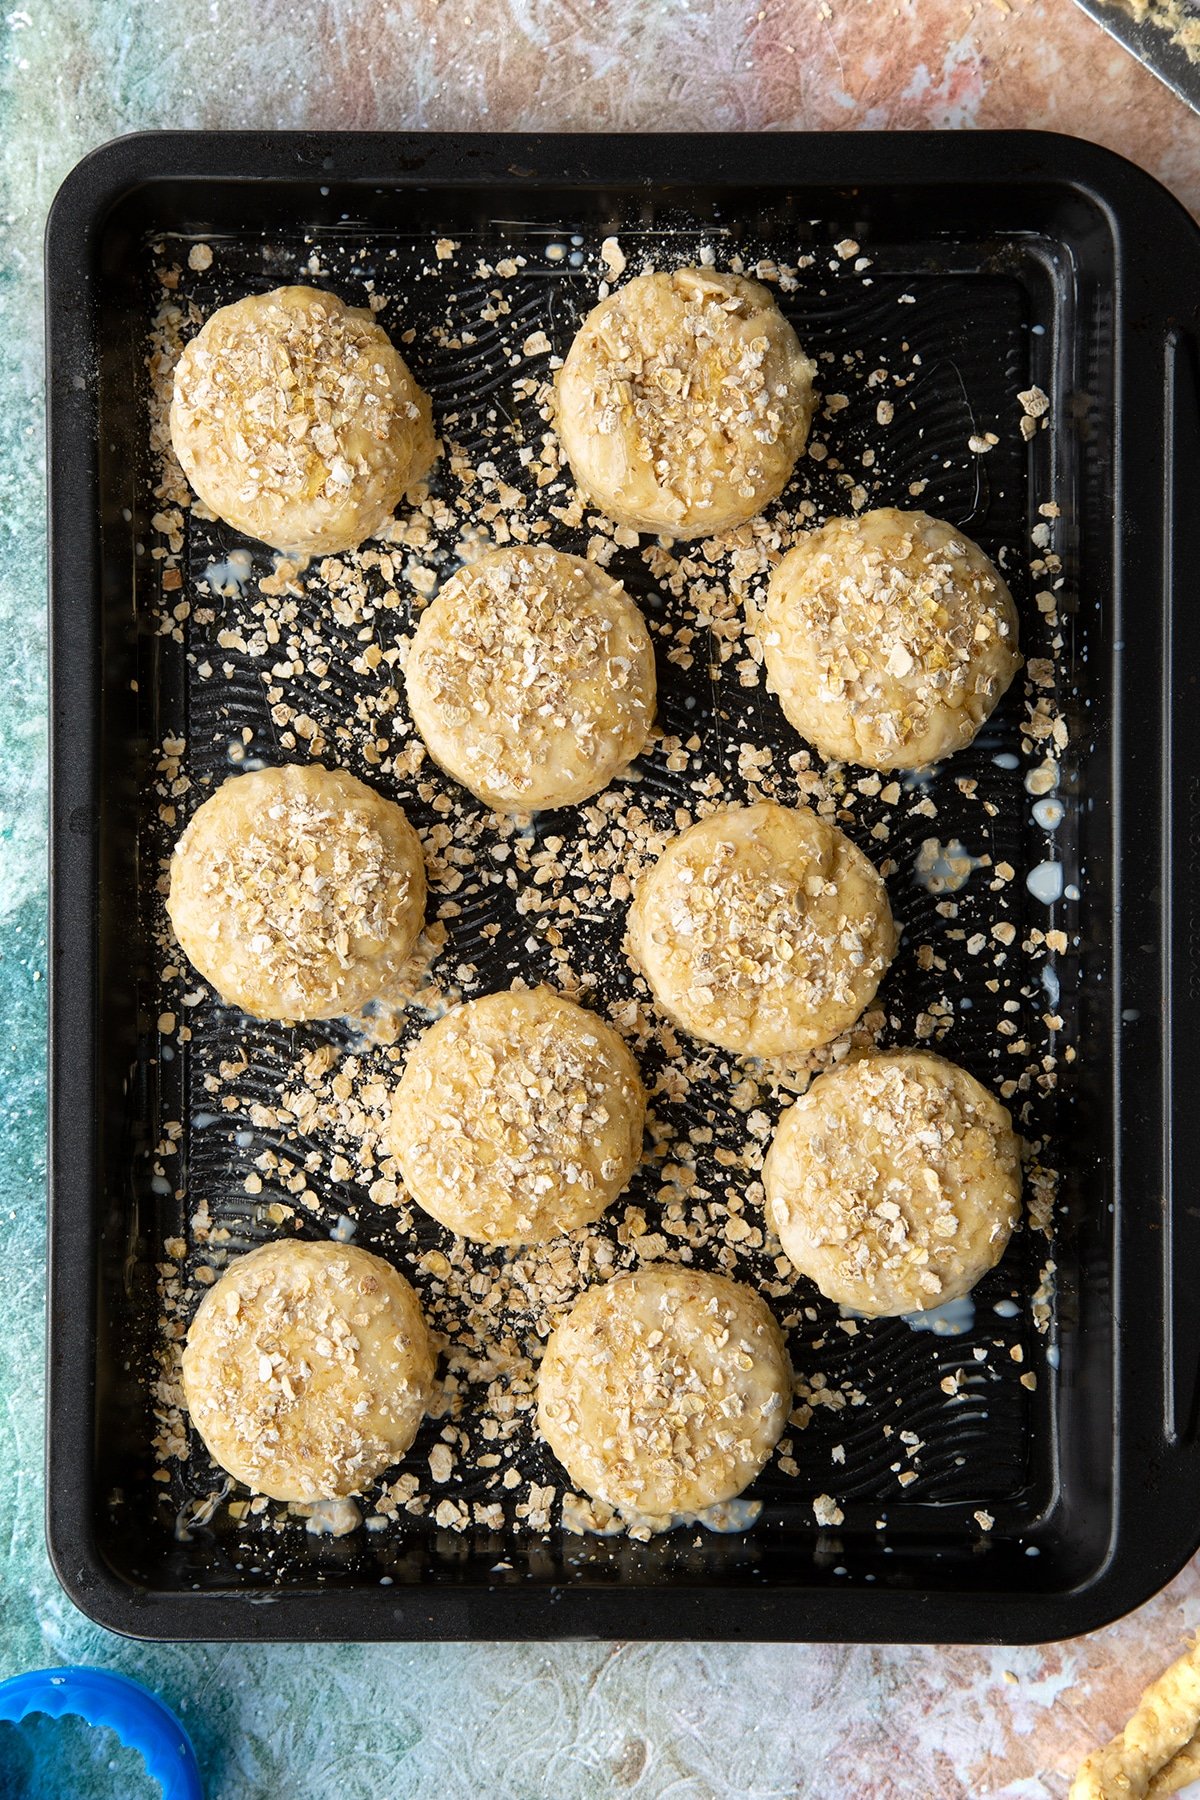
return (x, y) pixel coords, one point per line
(743, 974)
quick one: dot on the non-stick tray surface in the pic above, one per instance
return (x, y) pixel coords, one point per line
(945, 276)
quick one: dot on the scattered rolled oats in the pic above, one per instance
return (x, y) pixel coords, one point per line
(325, 1114)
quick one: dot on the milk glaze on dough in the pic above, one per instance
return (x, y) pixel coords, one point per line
(762, 929)
(894, 1182)
(297, 421)
(684, 402)
(308, 1369)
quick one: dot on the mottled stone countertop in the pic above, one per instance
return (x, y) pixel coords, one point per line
(568, 1721)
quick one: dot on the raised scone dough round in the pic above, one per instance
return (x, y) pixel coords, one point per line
(518, 1116)
(894, 1182)
(296, 421)
(664, 1391)
(298, 893)
(308, 1369)
(531, 678)
(684, 402)
(762, 929)
(889, 638)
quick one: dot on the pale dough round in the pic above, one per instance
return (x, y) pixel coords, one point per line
(298, 893)
(518, 1116)
(308, 1369)
(763, 929)
(684, 402)
(889, 638)
(894, 1182)
(531, 679)
(296, 420)
(664, 1391)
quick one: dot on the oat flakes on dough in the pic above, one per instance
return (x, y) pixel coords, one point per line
(298, 892)
(518, 1116)
(531, 678)
(889, 638)
(684, 402)
(762, 929)
(308, 1369)
(894, 1182)
(297, 421)
(664, 1391)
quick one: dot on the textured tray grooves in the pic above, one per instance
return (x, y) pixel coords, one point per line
(969, 328)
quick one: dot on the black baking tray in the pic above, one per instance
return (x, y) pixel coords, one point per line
(1029, 258)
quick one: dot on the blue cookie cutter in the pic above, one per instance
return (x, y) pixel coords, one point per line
(140, 1719)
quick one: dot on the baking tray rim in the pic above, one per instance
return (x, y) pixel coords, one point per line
(1136, 207)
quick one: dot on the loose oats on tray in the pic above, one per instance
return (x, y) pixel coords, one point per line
(266, 1132)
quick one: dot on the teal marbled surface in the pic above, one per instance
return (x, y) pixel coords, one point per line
(701, 1722)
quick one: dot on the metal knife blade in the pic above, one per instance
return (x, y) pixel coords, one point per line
(1153, 42)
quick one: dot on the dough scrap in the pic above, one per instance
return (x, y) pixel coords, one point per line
(1159, 1750)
